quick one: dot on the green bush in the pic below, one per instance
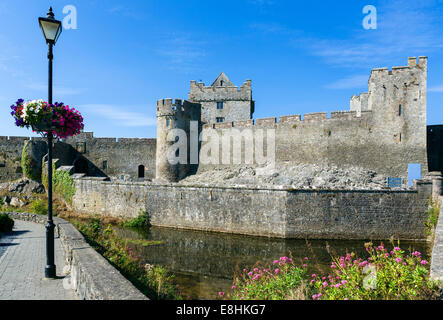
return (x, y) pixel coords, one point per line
(142, 221)
(39, 207)
(281, 281)
(384, 275)
(30, 168)
(62, 183)
(6, 223)
(432, 216)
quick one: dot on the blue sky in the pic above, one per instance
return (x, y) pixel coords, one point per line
(302, 56)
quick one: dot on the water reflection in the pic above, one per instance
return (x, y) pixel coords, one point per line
(204, 263)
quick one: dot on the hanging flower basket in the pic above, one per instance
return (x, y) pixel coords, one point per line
(42, 117)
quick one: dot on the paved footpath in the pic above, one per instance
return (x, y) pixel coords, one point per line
(22, 265)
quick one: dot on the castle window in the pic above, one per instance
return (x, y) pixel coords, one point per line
(220, 119)
(141, 171)
(399, 110)
(167, 122)
(221, 83)
(219, 105)
(105, 165)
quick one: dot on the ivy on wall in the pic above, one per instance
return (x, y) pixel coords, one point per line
(62, 183)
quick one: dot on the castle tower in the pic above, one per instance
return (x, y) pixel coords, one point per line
(172, 116)
(223, 101)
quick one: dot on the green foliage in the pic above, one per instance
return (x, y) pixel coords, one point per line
(6, 223)
(154, 281)
(30, 168)
(281, 281)
(432, 216)
(142, 221)
(62, 183)
(385, 275)
(39, 206)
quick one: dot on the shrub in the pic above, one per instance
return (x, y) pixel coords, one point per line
(62, 183)
(432, 216)
(384, 275)
(6, 223)
(142, 221)
(30, 167)
(281, 281)
(39, 206)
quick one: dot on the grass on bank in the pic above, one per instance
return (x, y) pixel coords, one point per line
(153, 281)
(387, 274)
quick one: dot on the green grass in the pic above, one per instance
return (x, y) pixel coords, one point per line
(142, 221)
(432, 216)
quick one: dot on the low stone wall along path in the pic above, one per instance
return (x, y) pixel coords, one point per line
(22, 264)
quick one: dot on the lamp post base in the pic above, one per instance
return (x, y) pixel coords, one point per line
(50, 266)
(50, 272)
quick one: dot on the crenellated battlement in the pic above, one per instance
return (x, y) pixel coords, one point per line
(284, 121)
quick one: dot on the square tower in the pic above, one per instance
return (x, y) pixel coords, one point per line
(222, 101)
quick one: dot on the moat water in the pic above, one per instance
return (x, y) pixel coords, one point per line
(204, 262)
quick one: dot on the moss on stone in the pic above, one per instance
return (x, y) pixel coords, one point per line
(30, 168)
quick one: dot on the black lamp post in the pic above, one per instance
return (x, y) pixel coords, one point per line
(51, 30)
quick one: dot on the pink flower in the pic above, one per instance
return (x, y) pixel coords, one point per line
(416, 254)
(314, 275)
(234, 287)
(221, 294)
(398, 260)
(277, 271)
(424, 262)
(397, 249)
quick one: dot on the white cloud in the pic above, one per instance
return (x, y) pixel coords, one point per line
(436, 89)
(351, 82)
(119, 116)
(182, 52)
(56, 90)
(404, 29)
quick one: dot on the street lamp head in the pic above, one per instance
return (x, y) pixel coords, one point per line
(51, 28)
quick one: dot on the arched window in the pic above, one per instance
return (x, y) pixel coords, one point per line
(141, 171)
(399, 110)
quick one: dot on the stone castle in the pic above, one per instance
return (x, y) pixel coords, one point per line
(384, 131)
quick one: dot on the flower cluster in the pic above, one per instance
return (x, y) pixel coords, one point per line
(43, 117)
(268, 283)
(385, 274)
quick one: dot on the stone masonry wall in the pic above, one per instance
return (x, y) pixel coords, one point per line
(112, 157)
(10, 157)
(281, 213)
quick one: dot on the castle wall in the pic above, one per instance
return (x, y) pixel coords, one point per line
(341, 140)
(385, 132)
(322, 214)
(112, 157)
